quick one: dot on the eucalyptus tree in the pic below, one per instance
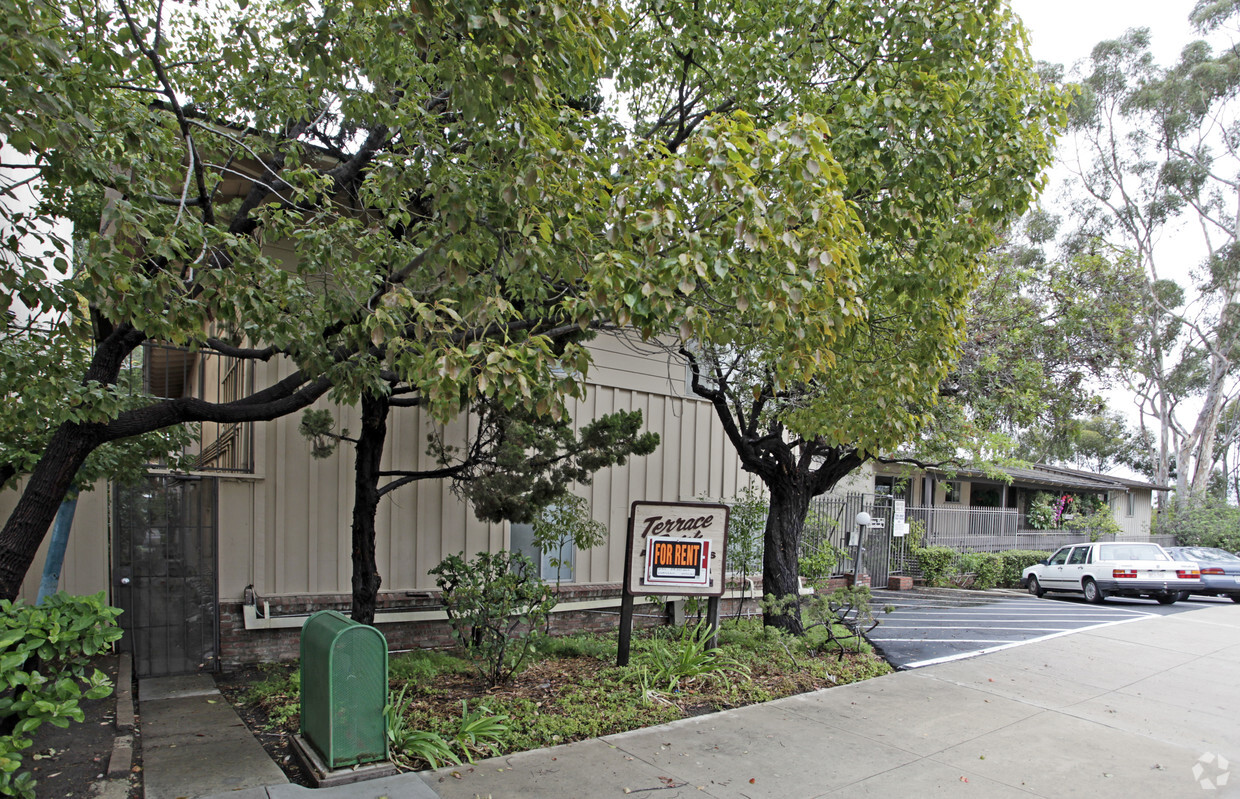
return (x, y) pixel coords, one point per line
(1158, 153)
(432, 192)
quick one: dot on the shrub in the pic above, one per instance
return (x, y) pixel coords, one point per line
(406, 744)
(1204, 524)
(1015, 561)
(984, 566)
(935, 563)
(566, 525)
(746, 526)
(669, 663)
(818, 565)
(1094, 525)
(495, 604)
(1043, 511)
(832, 621)
(45, 653)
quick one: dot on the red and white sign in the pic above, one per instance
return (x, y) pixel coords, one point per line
(676, 548)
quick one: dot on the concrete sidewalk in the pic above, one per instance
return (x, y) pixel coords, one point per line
(193, 742)
(1133, 710)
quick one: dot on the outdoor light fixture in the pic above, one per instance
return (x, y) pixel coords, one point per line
(863, 521)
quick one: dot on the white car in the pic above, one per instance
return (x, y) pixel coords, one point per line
(1113, 568)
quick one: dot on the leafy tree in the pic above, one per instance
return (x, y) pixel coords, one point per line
(1157, 148)
(746, 525)
(1045, 332)
(942, 127)
(433, 193)
(567, 524)
(1099, 442)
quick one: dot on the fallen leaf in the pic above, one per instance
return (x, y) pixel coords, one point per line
(964, 779)
(752, 780)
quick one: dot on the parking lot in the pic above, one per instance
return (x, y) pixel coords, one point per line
(938, 625)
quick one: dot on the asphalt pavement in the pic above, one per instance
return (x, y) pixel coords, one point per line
(930, 626)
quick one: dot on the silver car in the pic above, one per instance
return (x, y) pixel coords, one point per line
(1220, 570)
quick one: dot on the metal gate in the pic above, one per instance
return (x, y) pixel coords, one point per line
(831, 518)
(164, 573)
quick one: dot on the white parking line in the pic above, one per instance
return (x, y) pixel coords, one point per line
(1013, 644)
(886, 626)
(950, 641)
(1069, 613)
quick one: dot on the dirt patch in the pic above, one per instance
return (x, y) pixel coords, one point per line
(276, 740)
(68, 762)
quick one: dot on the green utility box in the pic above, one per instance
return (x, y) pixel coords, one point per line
(344, 680)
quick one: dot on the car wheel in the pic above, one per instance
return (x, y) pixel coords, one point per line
(1167, 599)
(1183, 596)
(1234, 597)
(1092, 592)
(1037, 590)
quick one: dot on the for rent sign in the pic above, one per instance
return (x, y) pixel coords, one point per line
(676, 548)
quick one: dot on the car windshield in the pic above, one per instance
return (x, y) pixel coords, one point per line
(1131, 552)
(1205, 553)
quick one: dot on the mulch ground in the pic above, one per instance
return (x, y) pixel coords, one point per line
(68, 762)
(539, 682)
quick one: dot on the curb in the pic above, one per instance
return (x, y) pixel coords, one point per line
(121, 761)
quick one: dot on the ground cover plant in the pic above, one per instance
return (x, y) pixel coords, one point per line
(442, 712)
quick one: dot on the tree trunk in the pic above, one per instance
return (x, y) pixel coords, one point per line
(40, 500)
(789, 504)
(66, 451)
(366, 579)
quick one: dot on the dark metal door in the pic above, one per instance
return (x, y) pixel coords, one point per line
(164, 574)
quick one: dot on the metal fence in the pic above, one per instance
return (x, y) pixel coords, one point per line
(998, 530)
(829, 521)
(963, 529)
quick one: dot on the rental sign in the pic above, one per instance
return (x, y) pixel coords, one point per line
(676, 548)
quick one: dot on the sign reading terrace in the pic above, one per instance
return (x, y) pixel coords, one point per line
(676, 548)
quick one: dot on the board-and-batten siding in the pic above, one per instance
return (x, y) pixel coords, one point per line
(85, 568)
(299, 536)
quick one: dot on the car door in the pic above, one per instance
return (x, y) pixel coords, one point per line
(1052, 573)
(1074, 569)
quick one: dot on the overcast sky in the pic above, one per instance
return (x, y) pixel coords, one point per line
(1063, 31)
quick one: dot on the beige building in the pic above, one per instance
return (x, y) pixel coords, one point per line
(221, 565)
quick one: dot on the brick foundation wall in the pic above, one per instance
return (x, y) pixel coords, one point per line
(241, 647)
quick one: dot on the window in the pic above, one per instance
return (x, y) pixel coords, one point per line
(986, 496)
(1060, 557)
(521, 539)
(1130, 504)
(1078, 555)
(952, 491)
(890, 486)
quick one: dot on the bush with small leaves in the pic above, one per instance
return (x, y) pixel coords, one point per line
(1014, 562)
(935, 563)
(495, 605)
